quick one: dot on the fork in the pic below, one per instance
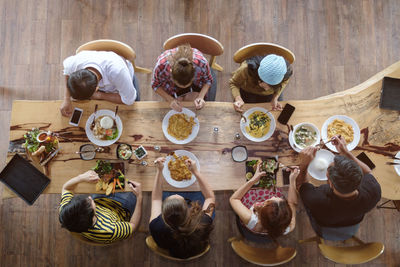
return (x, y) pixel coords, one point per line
(392, 163)
(94, 117)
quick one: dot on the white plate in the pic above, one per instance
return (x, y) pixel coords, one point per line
(397, 167)
(244, 124)
(89, 133)
(316, 173)
(167, 173)
(348, 120)
(295, 148)
(195, 129)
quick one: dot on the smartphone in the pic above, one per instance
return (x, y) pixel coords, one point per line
(183, 91)
(286, 114)
(286, 174)
(364, 158)
(76, 117)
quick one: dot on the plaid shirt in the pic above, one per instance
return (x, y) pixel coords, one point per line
(162, 72)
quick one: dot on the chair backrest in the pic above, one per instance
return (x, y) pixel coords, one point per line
(339, 233)
(117, 47)
(259, 49)
(202, 42)
(262, 256)
(164, 253)
(362, 253)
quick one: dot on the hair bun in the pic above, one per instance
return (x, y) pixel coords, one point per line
(183, 61)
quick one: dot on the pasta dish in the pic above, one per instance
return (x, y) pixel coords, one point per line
(105, 128)
(178, 169)
(180, 126)
(340, 127)
(259, 124)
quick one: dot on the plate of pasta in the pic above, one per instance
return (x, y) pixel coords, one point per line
(341, 125)
(175, 171)
(180, 127)
(259, 125)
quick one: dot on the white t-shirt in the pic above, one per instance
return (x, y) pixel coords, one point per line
(116, 72)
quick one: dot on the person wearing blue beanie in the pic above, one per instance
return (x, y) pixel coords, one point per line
(260, 79)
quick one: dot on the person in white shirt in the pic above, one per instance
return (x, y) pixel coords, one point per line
(99, 75)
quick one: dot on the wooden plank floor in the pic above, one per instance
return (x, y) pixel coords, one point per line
(337, 43)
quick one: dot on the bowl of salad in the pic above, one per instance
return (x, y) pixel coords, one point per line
(124, 151)
(305, 134)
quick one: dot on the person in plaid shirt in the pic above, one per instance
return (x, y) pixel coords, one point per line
(182, 74)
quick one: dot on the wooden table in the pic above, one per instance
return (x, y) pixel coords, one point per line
(380, 136)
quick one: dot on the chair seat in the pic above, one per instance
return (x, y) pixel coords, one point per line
(263, 256)
(352, 255)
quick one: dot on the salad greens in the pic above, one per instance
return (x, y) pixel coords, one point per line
(31, 142)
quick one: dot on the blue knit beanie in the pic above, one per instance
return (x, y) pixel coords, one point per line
(272, 69)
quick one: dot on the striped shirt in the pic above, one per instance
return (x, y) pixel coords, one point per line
(110, 225)
(162, 76)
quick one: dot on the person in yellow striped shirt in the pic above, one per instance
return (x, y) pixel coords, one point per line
(100, 218)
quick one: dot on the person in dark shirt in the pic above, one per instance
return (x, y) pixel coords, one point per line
(351, 190)
(180, 227)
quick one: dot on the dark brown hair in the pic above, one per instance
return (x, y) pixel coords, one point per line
(275, 217)
(182, 65)
(190, 233)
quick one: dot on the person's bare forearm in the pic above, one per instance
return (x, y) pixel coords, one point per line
(67, 95)
(292, 195)
(111, 97)
(156, 194)
(364, 167)
(72, 183)
(167, 97)
(137, 214)
(205, 187)
(204, 91)
(238, 194)
(302, 178)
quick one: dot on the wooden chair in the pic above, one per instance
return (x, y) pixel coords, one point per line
(119, 48)
(204, 43)
(262, 256)
(165, 254)
(259, 49)
(361, 253)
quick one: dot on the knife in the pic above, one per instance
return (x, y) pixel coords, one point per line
(49, 157)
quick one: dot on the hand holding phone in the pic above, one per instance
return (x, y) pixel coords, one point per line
(76, 117)
(286, 114)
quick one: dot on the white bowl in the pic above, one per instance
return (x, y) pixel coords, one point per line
(314, 170)
(306, 124)
(89, 133)
(244, 124)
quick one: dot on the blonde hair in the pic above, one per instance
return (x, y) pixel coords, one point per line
(182, 65)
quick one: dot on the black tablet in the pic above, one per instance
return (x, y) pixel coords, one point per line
(390, 94)
(24, 179)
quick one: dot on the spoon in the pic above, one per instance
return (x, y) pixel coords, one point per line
(116, 111)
